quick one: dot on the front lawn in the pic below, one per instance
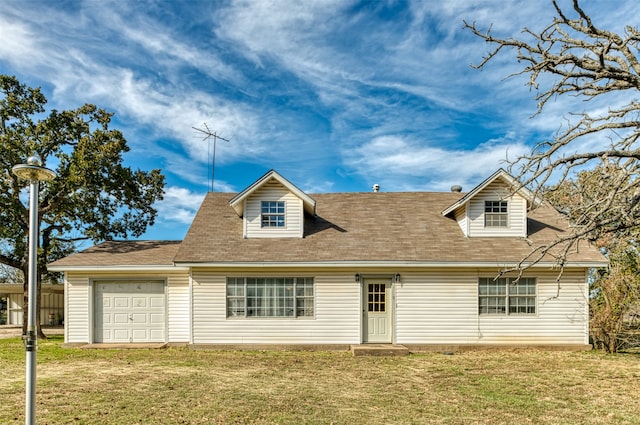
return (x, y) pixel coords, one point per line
(182, 386)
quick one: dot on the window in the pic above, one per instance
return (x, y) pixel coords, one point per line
(492, 296)
(376, 302)
(495, 214)
(522, 296)
(272, 213)
(506, 296)
(270, 297)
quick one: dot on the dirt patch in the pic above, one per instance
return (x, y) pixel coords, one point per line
(13, 331)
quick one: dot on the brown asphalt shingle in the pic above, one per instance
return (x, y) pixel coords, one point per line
(124, 253)
(384, 226)
(373, 227)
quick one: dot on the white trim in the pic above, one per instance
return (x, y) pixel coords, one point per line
(467, 221)
(585, 312)
(522, 191)
(238, 201)
(343, 264)
(245, 224)
(389, 303)
(165, 290)
(377, 264)
(91, 311)
(65, 307)
(118, 268)
(191, 307)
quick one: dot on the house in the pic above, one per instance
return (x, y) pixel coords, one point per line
(12, 300)
(274, 265)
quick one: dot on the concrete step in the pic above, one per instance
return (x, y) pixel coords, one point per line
(379, 350)
(124, 346)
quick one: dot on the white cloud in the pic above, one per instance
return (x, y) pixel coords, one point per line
(179, 205)
(168, 51)
(17, 40)
(402, 164)
(259, 63)
(81, 71)
(165, 111)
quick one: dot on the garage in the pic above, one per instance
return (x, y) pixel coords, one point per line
(129, 311)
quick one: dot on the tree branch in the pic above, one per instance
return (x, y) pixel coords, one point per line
(11, 262)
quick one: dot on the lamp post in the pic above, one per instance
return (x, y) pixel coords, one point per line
(35, 173)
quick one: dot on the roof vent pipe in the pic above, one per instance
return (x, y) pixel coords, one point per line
(376, 187)
(456, 188)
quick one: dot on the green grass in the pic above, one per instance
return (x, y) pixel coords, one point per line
(182, 386)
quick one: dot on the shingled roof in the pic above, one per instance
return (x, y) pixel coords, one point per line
(367, 227)
(122, 253)
(372, 228)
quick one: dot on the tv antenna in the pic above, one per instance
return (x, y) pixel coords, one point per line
(211, 136)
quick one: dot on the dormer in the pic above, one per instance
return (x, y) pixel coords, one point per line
(496, 207)
(273, 207)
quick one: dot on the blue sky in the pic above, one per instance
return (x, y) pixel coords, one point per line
(335, 95)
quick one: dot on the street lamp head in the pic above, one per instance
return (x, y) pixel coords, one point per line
(34, 160)
(32, 170)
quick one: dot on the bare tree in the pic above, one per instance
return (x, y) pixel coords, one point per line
(584, 62)
(615, 293)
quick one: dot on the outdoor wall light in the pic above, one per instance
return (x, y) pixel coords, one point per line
(357, 277)
(396, 278)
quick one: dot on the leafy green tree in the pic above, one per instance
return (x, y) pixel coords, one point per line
(574, 59)
(94, 196)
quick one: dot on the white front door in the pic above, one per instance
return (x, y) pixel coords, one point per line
(129, 311)
(377, 313)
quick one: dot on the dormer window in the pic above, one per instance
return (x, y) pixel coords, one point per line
(273, 214)
(495, 214)
(273, 207)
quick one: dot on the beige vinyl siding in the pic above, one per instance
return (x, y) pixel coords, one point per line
(78, 308)
(336, 317)
(51, 308)
(441, 307)
(178, 313)
(15, 313)
(436, 307)
(79, 303)
(517, 212)
(562, 317)
(50, 303)
(462, 219)
(294, 213)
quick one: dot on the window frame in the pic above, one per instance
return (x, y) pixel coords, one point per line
(508, 296)
(251, 297)
(494, 216)
(273, 214)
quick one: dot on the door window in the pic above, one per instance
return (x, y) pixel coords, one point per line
(377, 297)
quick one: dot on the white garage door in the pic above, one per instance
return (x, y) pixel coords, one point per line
(129, 311)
